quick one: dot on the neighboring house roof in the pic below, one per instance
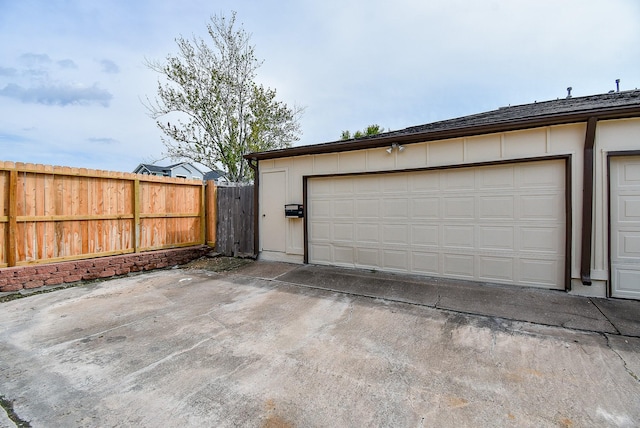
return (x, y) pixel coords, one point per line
(150, 168)
(214, 175)
(566, 110)
(165, 169)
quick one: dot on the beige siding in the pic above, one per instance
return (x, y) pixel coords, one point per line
(546, 141)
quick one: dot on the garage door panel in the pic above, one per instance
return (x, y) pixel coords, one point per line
(321, 208)
(425, 208)
(627, 280)
(457, 180)
(323, 188)
(423, 183)
(547, 240)
(628, 245)
(424, 235)
(367, 233)
(496, 238)
(496, 178)
(395, 260)
(541, 175)
(630, 176)
(320, 231)
(395, 184)
(367, 257)
(497, 207)
(538, 272)
(458, 236)
(343, 255)
(343, 232)
(459, 207)
(321, 253)
(629, 208)
(541, 207)
(395, 234)
(458, 265)
(343, 209)
(368, 208)
(495, 268)
(425, 262)
(472, 223)
(395, 208)
(343, 188)
(366, 185)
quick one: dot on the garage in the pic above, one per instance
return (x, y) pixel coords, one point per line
(625, 226)
(502, 223)
(544, 195)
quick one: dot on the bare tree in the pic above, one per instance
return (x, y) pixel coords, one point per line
(210, 108)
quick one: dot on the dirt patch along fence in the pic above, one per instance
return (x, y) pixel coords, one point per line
(54, 214)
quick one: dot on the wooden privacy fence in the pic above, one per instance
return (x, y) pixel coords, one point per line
(234, 210)
(50, 214)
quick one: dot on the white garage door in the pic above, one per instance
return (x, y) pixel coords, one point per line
(625, 227)
(502, 223)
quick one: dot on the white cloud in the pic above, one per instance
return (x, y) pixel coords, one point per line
(60, 95)
(109, 66)
(67, 63)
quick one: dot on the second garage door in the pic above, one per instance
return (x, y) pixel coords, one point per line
(503, 223)
(625, 227)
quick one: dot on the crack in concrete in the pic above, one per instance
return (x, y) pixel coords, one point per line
(169, 357)
(624, 362)
(7, 405)
(605, 317)
(437, 303)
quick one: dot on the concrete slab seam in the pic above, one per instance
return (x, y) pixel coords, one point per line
(437, 308)
(368, 296)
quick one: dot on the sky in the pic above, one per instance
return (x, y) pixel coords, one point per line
(73, 77)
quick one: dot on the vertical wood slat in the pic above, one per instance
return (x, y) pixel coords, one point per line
(136, 216)
(13, 217)
(4, 215)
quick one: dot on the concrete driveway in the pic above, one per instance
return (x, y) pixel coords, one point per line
(185, 347)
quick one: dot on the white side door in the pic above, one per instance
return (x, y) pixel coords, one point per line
(272, 220)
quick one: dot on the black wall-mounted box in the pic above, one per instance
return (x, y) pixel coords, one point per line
(294, 211)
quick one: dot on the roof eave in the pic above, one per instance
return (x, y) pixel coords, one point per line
(457, 132)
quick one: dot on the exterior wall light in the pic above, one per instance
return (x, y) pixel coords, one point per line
(395, 146)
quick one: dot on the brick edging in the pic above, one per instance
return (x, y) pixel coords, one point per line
(34, 276)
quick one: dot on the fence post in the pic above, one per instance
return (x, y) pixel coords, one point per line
(13, 217)
(203, 224)
(211, 213)
(136, 215)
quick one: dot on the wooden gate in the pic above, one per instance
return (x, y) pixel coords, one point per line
(234, 229)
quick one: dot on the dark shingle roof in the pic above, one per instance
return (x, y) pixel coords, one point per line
(154, 168)
(535, 110)
(560, 111)
(213, 175)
